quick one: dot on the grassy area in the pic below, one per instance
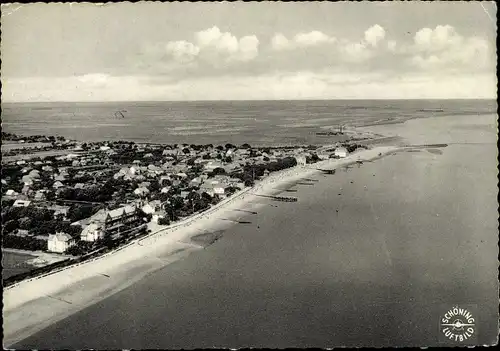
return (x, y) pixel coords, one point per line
(14, 263)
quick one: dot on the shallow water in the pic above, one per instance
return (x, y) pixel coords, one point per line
(369, 256)
(220, 122)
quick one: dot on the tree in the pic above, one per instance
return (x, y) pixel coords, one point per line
(25, 223)
(231, 190)
(50, 195)
(215, 199)
(228, 159)
(10, 226)
(7, 203)
(107, 240)
(249, 182)
(154, 186)
(245, 146)
(163, 221)
(193, 196)
(218, 170)
(220, 148)
(206, 196)
(80, 211)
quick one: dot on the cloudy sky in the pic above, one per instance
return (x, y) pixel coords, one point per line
(246, 51)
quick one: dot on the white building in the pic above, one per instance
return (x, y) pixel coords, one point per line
(92, 232)
(57, 185)
(141, 191)
(340, 152)
(151, 207)
(156, 217)
(301, 160)
(71, 156)
(11, 192)
(219, 190)
(21, 203)
(60, 242)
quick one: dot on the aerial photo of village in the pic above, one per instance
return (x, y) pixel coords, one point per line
(235, 175)
(68, 201)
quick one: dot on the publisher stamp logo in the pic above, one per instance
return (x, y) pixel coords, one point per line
(458, 325)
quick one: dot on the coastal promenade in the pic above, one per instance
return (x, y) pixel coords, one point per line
(32, 305)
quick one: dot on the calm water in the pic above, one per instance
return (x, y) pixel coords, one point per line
(254, 122)
(414, 235)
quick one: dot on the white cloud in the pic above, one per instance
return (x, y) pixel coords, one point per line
(444, 48)
(436, 39)
(300, 40)
(392, 45)
(94, 79)
(354, 52)
(374, 35)
(280, 42)
(208, 36)
(246, 48)
(182, 50)
(312, 38)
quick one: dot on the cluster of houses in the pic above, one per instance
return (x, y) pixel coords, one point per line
(43, 181)
(96, 227)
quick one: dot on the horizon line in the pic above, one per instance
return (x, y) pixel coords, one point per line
(246, 100)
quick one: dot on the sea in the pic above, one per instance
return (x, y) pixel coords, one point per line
(219, 122)
(373, 255)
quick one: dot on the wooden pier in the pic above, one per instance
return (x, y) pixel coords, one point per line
(280, 198)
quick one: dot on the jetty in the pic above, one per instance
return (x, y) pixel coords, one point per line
(280, 198)
(310, 180)
(326, 171)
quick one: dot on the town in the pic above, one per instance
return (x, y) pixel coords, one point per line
(89, 197)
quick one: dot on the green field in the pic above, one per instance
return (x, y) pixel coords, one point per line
(15, 263)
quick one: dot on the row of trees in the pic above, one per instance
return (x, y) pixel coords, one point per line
(41, 221)
(253, 171)
(177, 208)
(24, 243)
(31, 138)
(41, 228)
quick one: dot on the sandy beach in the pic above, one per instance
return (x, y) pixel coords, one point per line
(34, 304)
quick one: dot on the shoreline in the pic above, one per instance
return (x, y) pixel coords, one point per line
(32, 305)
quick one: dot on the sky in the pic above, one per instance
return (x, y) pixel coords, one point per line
(248, 51)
